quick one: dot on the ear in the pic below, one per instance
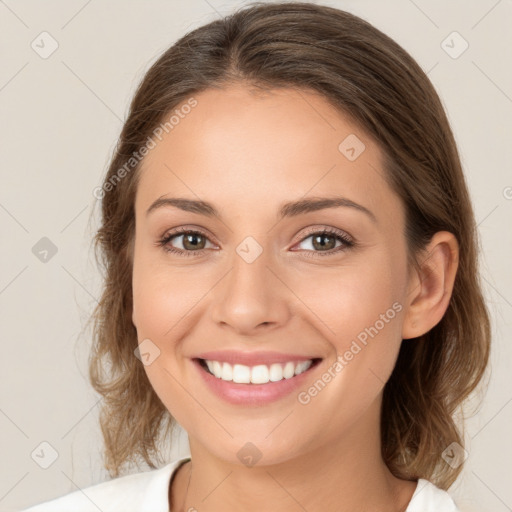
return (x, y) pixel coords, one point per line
(430, 288)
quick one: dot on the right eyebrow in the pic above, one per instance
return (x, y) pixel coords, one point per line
(188, 205)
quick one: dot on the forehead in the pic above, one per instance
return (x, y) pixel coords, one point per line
(264, 148)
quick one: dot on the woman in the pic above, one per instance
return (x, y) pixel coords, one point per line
(291, 275)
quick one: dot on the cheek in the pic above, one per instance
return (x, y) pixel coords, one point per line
(165, 300)
(359, 312)
(163, 294)
(351, 299)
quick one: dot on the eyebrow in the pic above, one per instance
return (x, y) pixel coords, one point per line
(289, 209)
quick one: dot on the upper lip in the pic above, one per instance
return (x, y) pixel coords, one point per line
(252, 358)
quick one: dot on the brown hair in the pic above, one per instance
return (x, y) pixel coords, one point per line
(370, 78)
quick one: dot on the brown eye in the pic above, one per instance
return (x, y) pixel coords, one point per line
(326, 242)
(192, 241)
(185, 242)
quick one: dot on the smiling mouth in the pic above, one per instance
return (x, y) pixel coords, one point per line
(258, 374)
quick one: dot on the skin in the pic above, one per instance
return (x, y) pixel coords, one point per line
(247, 152)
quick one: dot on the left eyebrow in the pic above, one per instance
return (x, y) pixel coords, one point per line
(313, 204)
(289, 209)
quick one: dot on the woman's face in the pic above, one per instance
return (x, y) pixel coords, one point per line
(260, 286)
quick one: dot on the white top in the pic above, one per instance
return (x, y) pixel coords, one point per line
(149, 492)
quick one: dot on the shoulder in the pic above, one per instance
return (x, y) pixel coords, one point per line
(429, 498)
(141, 492)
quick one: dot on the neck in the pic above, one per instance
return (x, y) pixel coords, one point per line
(339, 475)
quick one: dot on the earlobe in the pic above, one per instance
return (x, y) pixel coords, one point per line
(430, 288)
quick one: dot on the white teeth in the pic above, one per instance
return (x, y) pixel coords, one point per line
(217, 369)
(241, 374)
(227, 371)
(302, 367)
(276, 372)
(289, 370)
(259, 374)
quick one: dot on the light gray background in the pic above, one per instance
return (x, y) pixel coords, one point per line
(60, 119)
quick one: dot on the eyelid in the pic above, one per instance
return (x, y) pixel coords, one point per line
(181, 230)
(324, 229)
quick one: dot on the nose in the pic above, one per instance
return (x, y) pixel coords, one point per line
(251, 298)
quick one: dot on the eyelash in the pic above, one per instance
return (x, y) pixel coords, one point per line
(348, 243)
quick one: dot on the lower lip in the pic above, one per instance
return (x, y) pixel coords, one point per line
(252, 394)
